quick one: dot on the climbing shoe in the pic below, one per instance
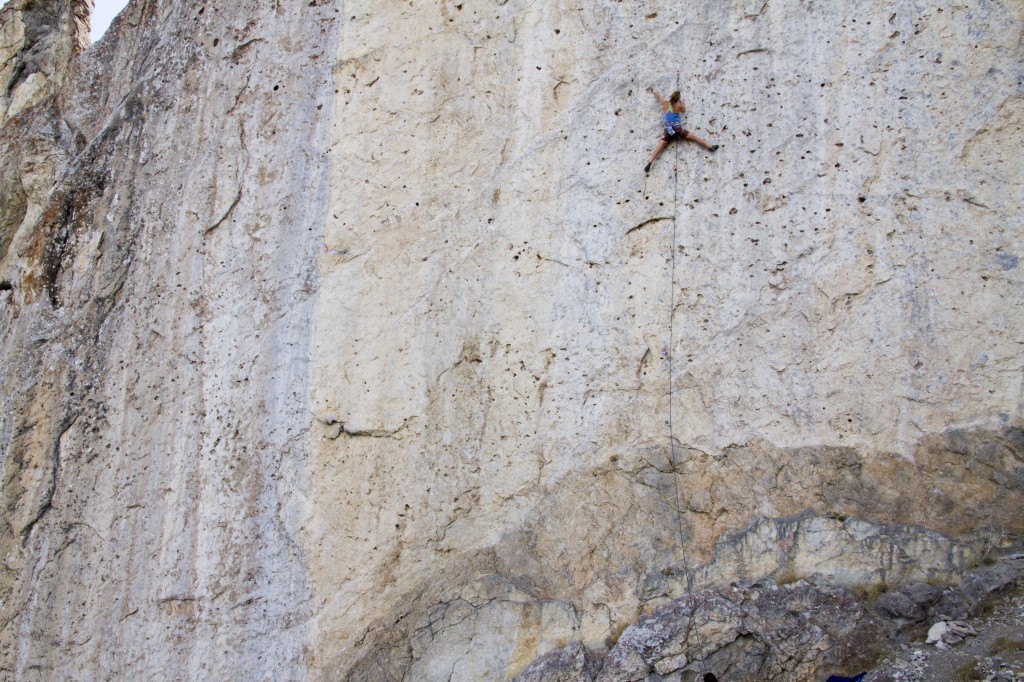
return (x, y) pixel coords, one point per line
(714, 147)
(647, 168)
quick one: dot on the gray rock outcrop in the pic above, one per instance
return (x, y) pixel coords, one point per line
(783, 631)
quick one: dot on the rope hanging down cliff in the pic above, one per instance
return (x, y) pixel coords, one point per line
(672, 128)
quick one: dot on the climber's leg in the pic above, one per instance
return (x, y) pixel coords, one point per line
(657, 150)
(690, 136)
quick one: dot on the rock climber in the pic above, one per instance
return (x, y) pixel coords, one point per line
(672, 125)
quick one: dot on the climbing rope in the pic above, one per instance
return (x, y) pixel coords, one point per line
(671, 425)
(671, 335)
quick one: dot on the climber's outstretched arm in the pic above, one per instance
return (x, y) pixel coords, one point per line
(661, 99)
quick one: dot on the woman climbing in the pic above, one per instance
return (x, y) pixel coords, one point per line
(672, 125)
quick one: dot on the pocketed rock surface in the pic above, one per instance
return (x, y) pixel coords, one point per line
(348, 340)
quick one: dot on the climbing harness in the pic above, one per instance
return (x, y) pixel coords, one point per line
(671, 120)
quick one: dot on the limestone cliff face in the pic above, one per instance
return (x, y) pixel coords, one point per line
(156, 345)
(348, 340)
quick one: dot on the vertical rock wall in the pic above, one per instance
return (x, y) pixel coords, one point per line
(348, 340)
(156, 341)
(514, 320)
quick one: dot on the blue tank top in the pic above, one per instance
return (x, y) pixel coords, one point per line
(673, 119)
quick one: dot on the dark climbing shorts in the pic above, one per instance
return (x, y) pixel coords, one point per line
(668, 135)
